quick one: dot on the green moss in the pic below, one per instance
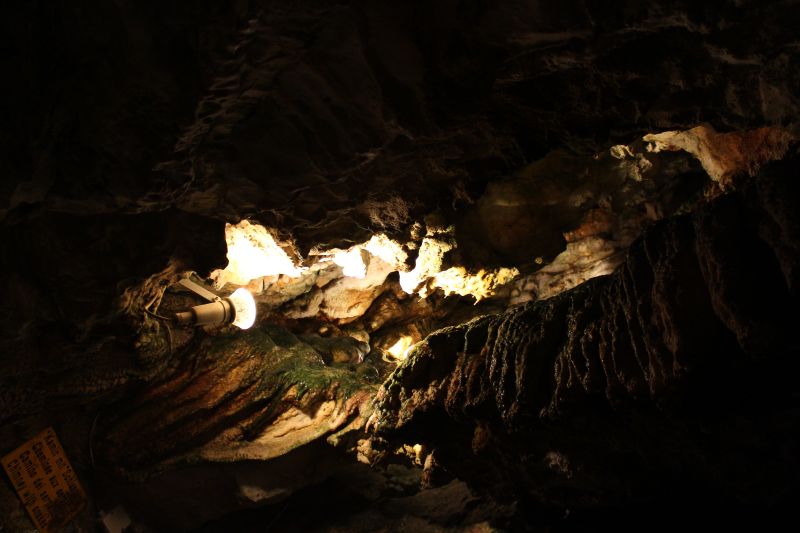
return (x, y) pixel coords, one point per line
(287, 362)
(309, 379)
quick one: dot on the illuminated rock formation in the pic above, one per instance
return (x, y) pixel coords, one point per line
(388, 179)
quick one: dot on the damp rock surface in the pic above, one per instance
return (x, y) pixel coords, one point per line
(546, 402)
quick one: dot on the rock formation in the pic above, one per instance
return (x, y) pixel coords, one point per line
(679, 366)
(581, 217)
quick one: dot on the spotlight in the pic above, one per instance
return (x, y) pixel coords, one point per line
(238, 309)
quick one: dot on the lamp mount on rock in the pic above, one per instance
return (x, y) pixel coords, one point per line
(238, 309)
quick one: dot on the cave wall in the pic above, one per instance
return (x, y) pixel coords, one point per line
(667, 386)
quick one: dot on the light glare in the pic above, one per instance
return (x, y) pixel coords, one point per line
(252, 253)
(400, 349)
(352, 262)
(245, 308)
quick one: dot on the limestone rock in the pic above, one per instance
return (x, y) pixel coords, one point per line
(544, 402)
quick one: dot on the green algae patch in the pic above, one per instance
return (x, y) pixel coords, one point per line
(284, 362)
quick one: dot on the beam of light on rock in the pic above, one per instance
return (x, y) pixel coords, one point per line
(252, 253)
(352, 262)
(428, 264)
(482, 284)
(400, 349)
(385, 248)
(428, 272)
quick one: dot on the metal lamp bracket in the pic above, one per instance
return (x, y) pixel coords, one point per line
(199, 290)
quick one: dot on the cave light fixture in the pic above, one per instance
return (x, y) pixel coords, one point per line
(238, 309)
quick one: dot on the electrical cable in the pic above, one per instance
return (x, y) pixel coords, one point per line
(165, 321)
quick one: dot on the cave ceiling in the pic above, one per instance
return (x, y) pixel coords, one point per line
(468, 227)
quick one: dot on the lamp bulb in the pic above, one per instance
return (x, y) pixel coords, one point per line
(244, 308)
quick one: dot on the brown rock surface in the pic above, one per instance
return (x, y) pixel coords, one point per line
(692, 339)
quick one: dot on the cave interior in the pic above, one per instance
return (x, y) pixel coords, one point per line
(375, 266)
